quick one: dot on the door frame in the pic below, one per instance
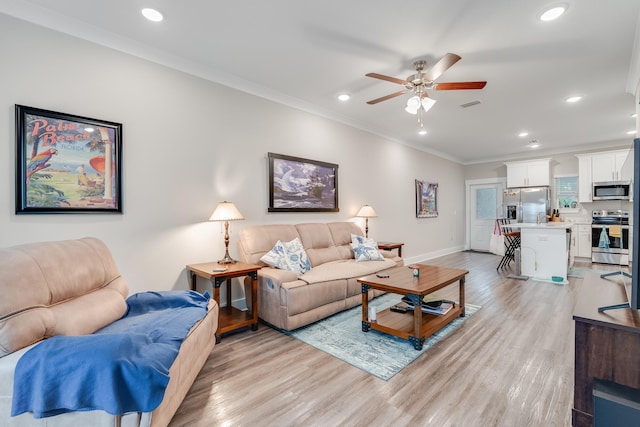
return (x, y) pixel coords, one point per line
(467, 184)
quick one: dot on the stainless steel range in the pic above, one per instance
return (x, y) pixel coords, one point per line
(610, 232)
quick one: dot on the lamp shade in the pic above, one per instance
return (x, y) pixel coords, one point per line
(413, 104)
(367, 212)
(427, 103)
(226, 211)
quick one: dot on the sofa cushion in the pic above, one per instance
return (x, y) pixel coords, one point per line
(345, 269)
(341, 233)
(68, 287)
(257, 240)
(300, 297)
(318, 242)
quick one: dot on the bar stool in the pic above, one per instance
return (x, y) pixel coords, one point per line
(511, 243)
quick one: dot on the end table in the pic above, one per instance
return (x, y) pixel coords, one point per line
(387, 246)
(230, 318)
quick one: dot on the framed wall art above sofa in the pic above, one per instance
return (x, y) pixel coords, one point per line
(302, 185)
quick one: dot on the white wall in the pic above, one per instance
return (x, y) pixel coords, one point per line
(188, 144)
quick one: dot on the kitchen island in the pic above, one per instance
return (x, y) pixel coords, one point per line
(545, 249)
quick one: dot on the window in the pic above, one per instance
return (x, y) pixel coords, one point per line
(486, 202)
(567, 193)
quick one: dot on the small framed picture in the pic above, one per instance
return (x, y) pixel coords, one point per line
(302, 185)
(426, 199)
(67, 163)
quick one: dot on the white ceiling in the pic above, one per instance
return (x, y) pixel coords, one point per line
(304, 53)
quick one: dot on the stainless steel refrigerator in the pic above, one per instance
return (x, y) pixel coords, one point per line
(526, 204)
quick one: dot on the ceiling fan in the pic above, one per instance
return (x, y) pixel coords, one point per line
(421, 81)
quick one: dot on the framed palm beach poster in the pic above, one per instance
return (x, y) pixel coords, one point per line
(426, 199)
(67, 163)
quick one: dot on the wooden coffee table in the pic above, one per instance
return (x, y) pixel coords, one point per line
(414, 326)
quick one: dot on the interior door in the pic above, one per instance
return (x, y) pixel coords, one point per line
(485, 205)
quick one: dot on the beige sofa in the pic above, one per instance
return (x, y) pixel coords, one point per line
(73, 287)
(287, 301)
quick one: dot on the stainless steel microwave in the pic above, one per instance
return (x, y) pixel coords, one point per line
(612, 190)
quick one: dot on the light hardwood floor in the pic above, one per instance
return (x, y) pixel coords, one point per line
(511, 364)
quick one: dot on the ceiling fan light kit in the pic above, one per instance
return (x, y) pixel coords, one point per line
(414, 104)
(418, 84)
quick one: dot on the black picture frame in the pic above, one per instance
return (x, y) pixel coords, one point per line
(302, 185)
(62, 163)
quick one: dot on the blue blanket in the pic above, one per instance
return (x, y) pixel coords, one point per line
(121, 368)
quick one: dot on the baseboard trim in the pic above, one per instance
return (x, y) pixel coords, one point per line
(432, 255)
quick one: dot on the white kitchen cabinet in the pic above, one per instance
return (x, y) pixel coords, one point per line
(585, 182)
(605, 166)
(583, 240)
(624, 165)
(610, 166)
(531, 173)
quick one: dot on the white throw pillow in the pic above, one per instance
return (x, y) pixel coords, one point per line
(296, 256)
(276, 257)
(288, 256)
(365, 249)
(363, 240)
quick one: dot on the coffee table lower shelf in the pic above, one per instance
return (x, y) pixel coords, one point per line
(401, 325)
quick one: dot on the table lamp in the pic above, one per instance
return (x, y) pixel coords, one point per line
(226, 211)
(366, 212)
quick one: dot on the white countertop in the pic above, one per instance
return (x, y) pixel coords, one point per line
(560, 225)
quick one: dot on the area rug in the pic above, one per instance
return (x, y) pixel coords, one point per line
(374, 352)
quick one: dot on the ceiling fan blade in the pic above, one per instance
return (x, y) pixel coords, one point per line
(441, 66)
(387, 78)
(384, 98)
(459, 85)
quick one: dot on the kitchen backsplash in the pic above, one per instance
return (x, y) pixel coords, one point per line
(585, 209)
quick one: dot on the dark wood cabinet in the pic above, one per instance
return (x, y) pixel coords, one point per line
(607, 344)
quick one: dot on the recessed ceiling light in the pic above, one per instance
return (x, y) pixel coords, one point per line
(554, 12)
(523, 134)
(573, 99)
(631, 132)
(634, 115)
(344, 97)
(533, 143)
(422, 132)
(152, 14)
